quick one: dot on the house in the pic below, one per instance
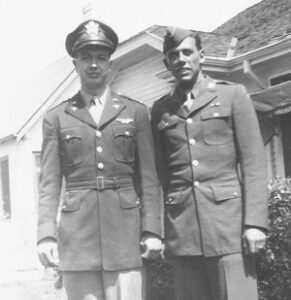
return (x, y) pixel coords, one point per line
(245, 50)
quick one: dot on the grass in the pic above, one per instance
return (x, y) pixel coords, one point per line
(29, 285)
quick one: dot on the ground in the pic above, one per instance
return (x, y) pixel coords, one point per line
(29, 285)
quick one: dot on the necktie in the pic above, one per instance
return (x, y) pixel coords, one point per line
(189, 101)
(96, 109)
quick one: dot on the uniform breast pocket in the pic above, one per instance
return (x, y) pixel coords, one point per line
(124, 142)
(216, 127)
(72, 146)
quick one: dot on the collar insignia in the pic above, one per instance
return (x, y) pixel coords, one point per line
(92, 28)
(211, 85)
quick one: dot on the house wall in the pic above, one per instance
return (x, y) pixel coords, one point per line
(140, 82)
(18, 245)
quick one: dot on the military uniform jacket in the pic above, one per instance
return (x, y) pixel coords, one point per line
(211, 163)
(112, 194)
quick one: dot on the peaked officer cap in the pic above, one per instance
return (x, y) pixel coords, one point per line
(91, 32)
(174, 37)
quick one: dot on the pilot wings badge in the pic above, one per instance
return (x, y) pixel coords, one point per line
(124, 120)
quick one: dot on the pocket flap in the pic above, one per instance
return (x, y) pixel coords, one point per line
(174, 198)
(222, 193)
(128, 198)
(70, 133)
(215, 113)
(121, 130)
(167, 122)
(72, 201)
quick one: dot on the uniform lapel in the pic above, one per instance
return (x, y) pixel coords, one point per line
(77, 108)
(205, 94)
(176, 105)
(113, 106)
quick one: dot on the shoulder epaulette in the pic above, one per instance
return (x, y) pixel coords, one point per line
(225, 82)
(130, 99)
(61, 103)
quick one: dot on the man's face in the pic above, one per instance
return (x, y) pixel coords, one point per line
(93, 66)
(184, 62)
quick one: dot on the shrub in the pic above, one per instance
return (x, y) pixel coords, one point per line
(274, 265)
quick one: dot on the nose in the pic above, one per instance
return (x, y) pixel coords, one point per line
(94, 63)
(180, 58)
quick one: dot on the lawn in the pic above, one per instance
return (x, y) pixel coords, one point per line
(29, 285)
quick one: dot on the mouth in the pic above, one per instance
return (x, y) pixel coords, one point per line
(93, 75)
(183, 71)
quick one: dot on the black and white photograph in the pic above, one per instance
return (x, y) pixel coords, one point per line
(145, 150)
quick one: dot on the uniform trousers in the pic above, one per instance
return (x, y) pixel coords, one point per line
(105, 285)
(227, 277)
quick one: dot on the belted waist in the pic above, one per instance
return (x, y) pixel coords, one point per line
(100, 183)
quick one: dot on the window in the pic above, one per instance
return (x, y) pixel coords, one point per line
(5, 209)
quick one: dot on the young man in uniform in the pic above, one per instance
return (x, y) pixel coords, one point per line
(211, 165)
(101, 143)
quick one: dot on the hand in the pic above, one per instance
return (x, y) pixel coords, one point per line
(152, 247)
(48, 253)
(254, 240)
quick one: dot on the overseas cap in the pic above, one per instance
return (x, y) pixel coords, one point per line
(91, 32)
(174, 37)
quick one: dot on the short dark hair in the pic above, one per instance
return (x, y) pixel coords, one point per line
(197, 40)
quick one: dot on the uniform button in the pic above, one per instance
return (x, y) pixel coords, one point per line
(235, 194)
(127, 133)
(192, 141)
(170, 199)
(195, 163)
(216, 114)
(68, 136)
(99, 149)
(189, 121)
(98, 133)
(100, 166)
(196, 183)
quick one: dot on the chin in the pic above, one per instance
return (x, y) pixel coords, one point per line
(186, 82)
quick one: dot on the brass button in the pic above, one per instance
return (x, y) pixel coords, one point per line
(127, 133)
(99, 149)
(192, 141)
(98, 133)
(216, 114)
(189, 121)
(195, 163)
(196, 183)
(100, 166)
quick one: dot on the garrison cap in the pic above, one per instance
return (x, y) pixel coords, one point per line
(91, 32)
(174, 37)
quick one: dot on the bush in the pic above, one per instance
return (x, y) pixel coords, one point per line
(274, 265)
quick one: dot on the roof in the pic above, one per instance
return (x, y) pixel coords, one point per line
(23, 100)
(259, 25)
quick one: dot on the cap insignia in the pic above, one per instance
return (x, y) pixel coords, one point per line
(92, 28)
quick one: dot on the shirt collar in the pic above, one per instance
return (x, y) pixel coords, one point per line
(196, 88)
(88, 98)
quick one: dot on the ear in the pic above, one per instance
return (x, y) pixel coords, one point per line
(166, 63)
(202, 56)
(75, 65)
